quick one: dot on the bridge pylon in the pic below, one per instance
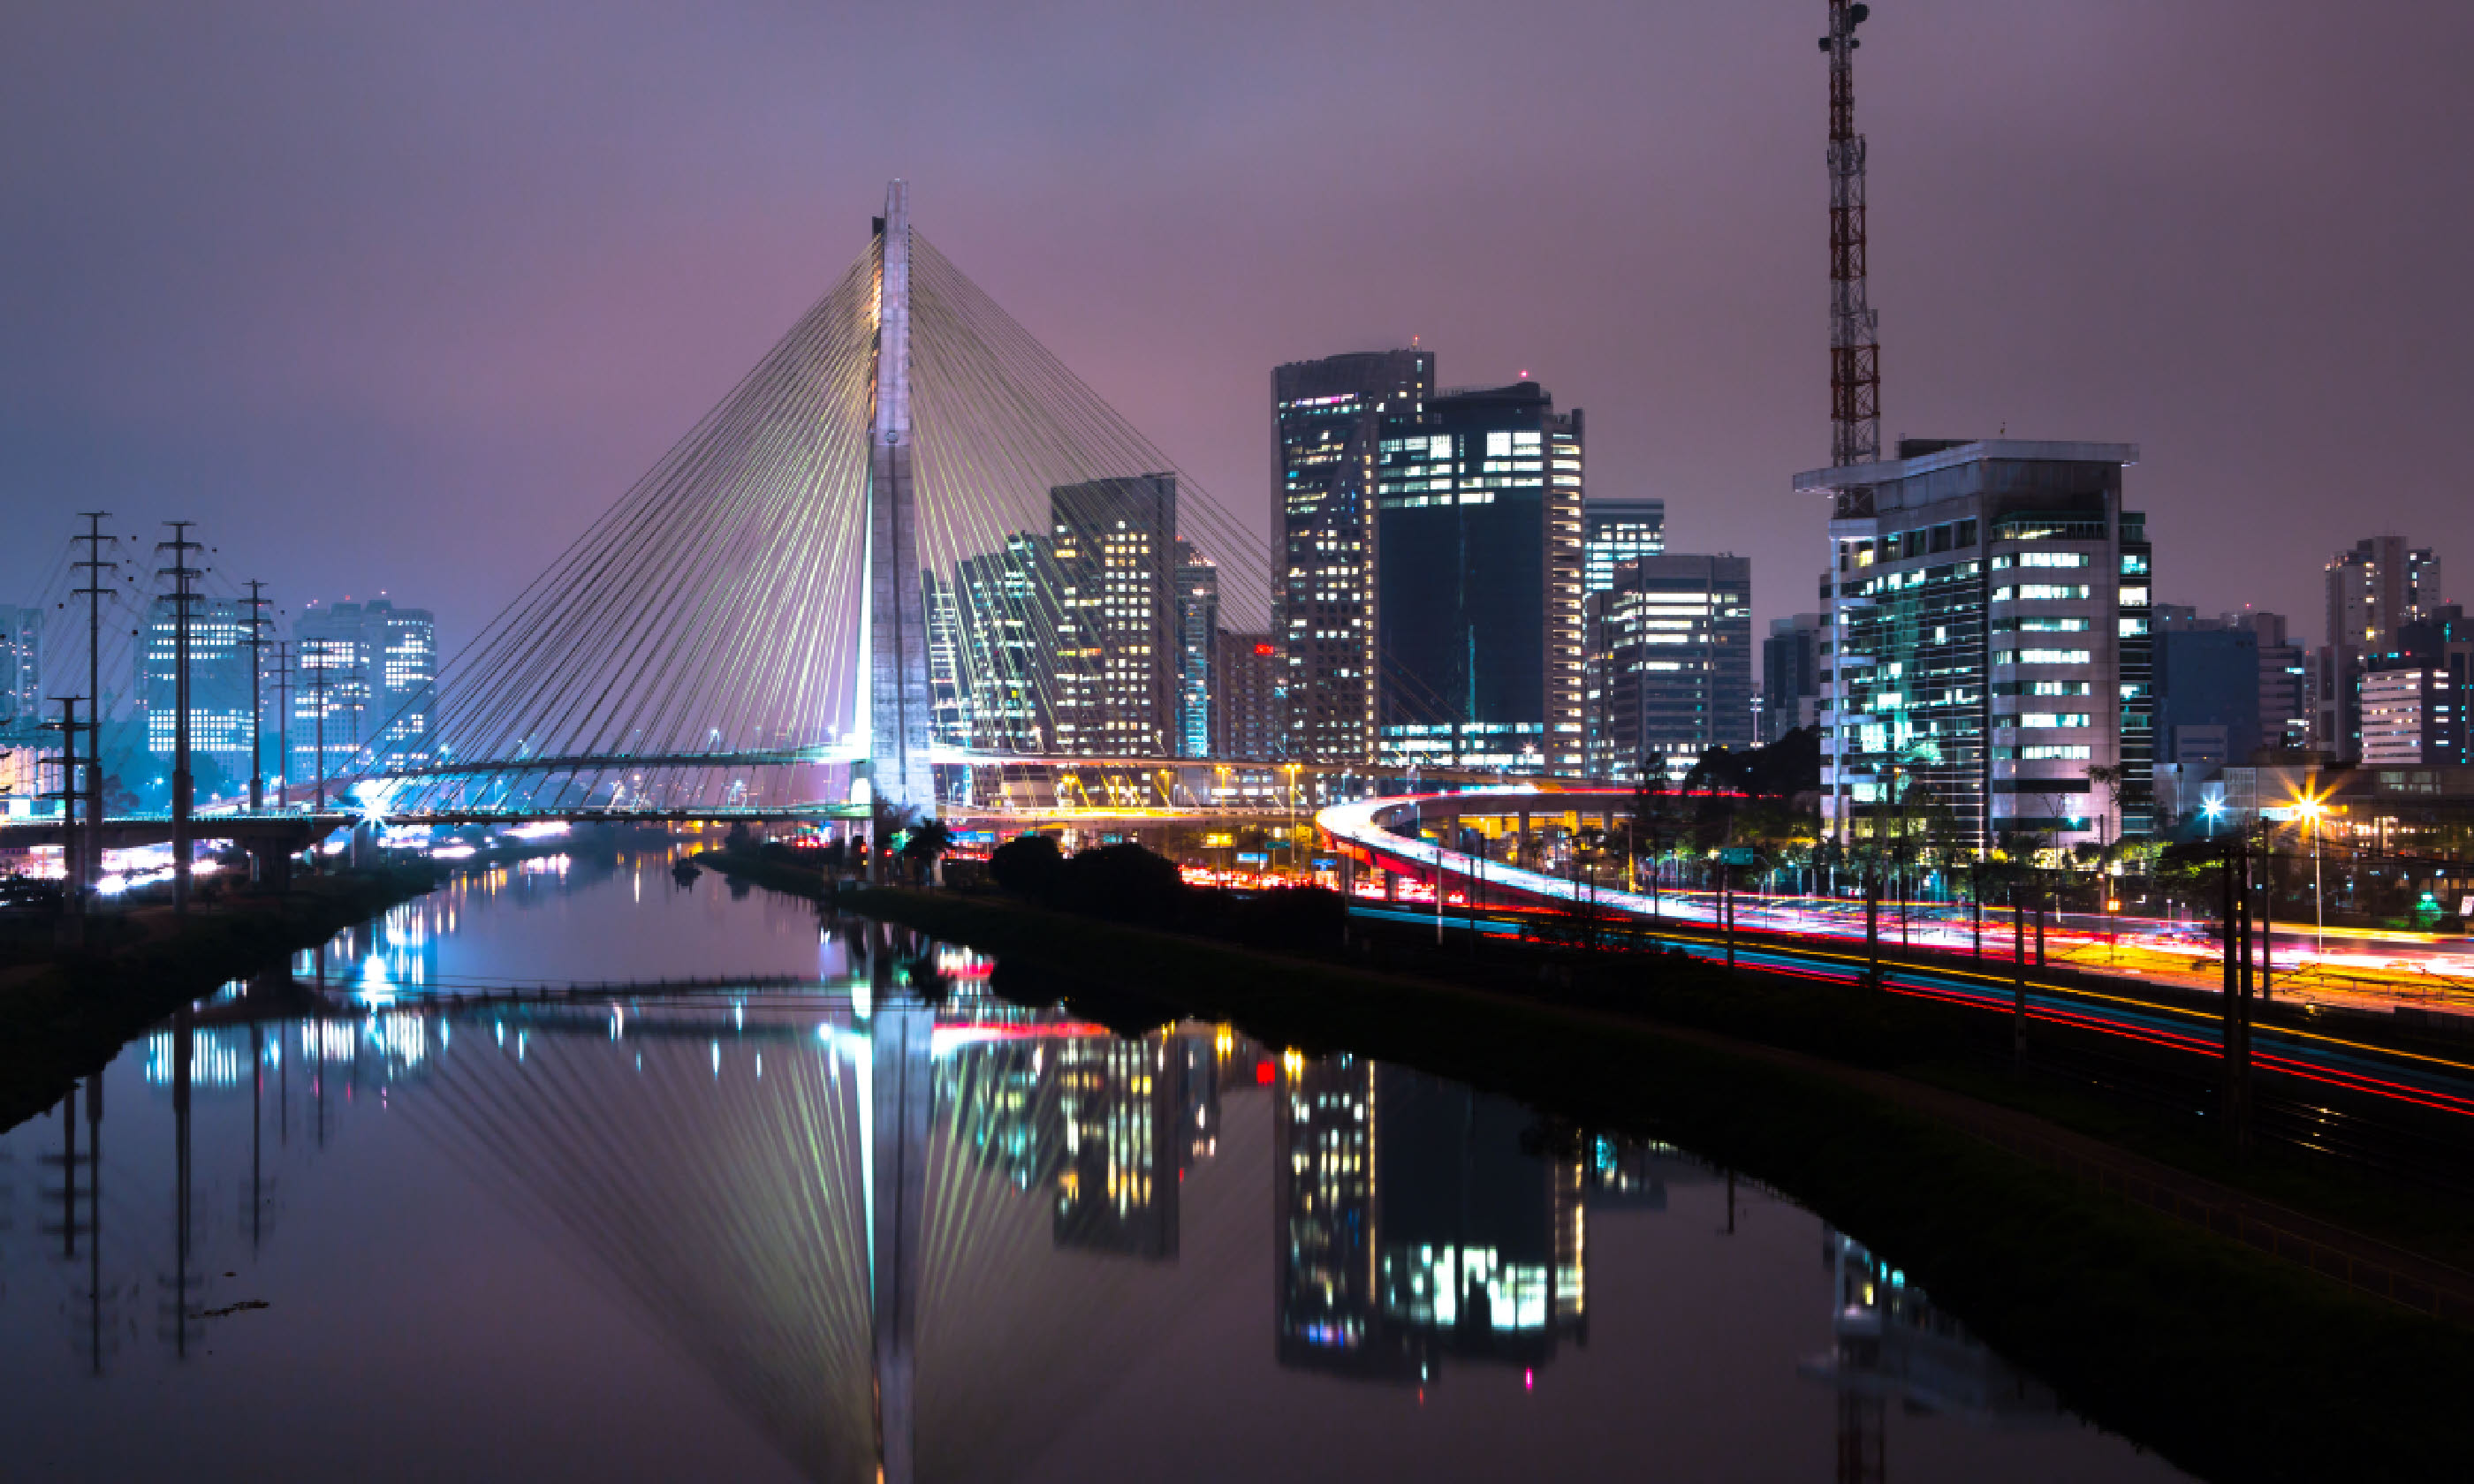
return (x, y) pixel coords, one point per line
(895, 635)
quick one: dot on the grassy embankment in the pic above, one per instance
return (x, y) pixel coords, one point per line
(2234, 1365)
(62, 1018)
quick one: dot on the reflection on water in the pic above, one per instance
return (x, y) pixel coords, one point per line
(870, 1220)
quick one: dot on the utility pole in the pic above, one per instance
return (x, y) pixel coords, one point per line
(72, 929)
(318, 707)
(258, 624)
(283, 722)
(183, 593)
(1854, 330)
(89, 870)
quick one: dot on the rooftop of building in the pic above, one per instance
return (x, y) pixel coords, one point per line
(1924, 455)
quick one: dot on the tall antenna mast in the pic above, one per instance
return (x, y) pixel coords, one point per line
(1854, 330)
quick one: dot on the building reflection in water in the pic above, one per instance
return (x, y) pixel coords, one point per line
(1891, 1344)
(822, 1196)
(1418, 1220)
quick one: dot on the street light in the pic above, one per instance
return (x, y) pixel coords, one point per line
(1293, 826)
(2211, 808)
(2311, 809)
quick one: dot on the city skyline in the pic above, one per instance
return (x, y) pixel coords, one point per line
(488, 378)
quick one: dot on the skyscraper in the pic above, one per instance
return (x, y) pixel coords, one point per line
(23, 706)
(1008, 605)
(219, 673)
(373, 669)
(2373, 589)
(1617, 529)
(1248, 716)
(1327, 422)
(1989, 642)
(1117, 652)
(1197, 626)
(1670, 664)
(949, 716)
(1478, 602)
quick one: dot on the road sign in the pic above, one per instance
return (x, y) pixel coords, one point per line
(1739, 856)
(1252, 858)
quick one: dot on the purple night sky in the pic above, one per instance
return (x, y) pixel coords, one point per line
(397, 297)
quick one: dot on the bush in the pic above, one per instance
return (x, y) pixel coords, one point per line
(1029, 865)
(1303, 919)
(1125, 883)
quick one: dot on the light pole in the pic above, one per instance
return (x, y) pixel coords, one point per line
(1292, 839)
(2311, 810)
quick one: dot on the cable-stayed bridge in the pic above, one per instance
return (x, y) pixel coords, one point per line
(908, 542)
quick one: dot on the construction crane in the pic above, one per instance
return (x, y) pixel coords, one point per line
(1854, 330)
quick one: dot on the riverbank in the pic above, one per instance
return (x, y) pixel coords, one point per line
(2232, 1364)
(61, 1020)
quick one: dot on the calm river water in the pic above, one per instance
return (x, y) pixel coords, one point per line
(782, 1219)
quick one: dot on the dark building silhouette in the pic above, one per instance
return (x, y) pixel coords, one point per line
(1479, 576)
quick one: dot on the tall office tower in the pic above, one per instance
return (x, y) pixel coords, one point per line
(2372, 590)
(1478, 605)
(1615, 529)
(1197, 626)
(1116, 651)
(1327, 420)
(1791, 675)
(1007, 602)
(949, 714)
(1670, 664)
(2415, 693)
(219, 664)
(1989, 644)
(373, 667)
(1248, 711)
(23, 706)
(2284, 689)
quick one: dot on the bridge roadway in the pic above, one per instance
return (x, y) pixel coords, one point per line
(1813, 940)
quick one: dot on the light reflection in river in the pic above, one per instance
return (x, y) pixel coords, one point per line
(839, 1206)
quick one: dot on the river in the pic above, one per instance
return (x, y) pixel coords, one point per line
(770, 1197)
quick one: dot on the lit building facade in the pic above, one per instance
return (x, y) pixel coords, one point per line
(1248, 706)
(1006, 602)
(23, 706)
(949, 715)
(2375, 589)
(1327, 423)
(1478, 593)
(1617, 529)
(2413, 695)
(1989, 641)
(1116, 643)
(1670, 667)
(1198, 625)
(220, 657)
(368, 671)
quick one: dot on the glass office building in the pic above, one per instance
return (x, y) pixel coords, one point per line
(1617, 529)
(1478, 602)
(1989, 644)
(1327, 420)
(1670, 673)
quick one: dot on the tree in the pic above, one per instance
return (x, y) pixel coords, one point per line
(1029, 865)
(923, 843)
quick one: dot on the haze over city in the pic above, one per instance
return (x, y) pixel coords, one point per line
(368, 285)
